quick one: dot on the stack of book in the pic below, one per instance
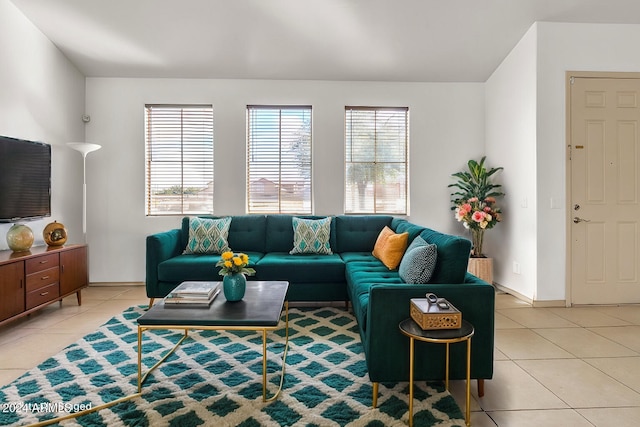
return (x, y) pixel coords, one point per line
(192, 294)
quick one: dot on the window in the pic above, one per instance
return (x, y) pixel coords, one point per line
(179, 159)
(279, 159)
(376, 145)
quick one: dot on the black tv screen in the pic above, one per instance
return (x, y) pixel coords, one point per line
(25, 179)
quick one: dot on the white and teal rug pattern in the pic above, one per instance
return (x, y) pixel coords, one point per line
(215, 378)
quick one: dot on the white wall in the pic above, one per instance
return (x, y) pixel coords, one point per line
(447, 128)
(511, 143)
(42, 98)
(561, 48)
(532, 143)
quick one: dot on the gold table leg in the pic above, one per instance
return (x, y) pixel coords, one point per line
(143, 378)
(446, 369)
(411, 360)
(467, 414)
(284, 359)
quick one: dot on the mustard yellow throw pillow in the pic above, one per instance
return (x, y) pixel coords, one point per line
(390, 247)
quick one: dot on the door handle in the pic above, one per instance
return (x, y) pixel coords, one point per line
(577, 220)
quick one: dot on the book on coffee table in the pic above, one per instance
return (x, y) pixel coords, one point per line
(193, 294)
(195, 289)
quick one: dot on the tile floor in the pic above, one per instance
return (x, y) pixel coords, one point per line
(553, 366)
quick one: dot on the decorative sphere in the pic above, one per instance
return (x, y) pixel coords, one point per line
(55, 234)
(19, 238)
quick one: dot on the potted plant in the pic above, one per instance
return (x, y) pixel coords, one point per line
(233, 269)
(474, 203)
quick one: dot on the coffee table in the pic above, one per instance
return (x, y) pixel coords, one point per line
(260, 310)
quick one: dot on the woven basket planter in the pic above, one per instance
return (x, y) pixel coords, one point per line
(481, 268)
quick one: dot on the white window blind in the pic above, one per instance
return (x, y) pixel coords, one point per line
(376, 146)
(279, 159)
(179, 159)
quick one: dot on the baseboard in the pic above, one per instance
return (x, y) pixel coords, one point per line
(116, 284)
(534, 303)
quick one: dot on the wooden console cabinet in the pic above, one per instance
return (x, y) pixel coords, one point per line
(36, 278)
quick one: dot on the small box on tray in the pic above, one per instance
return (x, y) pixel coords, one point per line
(440, 314)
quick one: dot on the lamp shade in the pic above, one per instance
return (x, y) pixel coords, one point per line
(84, 147)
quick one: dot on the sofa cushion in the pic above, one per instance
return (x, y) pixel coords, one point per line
(246, 233)
(358, 233)
(311, 236)
(390, 247)
(418, 262)
(453, 256)
(196, 267)
(357, 256)
(208, 236)
(301, 268)
(279, 232)
(401, 225)
(362, 275)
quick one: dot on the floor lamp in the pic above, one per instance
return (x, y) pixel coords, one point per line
(84, 148)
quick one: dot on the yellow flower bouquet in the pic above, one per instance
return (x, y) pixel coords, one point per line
(232, 263)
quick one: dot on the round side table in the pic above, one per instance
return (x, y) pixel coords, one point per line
(438, 336)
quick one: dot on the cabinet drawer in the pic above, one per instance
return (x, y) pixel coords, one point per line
(42, 278)
(42, 295)
(40, 263)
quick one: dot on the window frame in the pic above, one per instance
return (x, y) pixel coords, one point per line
(353, 210)
(284, 162)
(189, 133)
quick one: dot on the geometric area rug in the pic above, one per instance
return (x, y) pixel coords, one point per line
(214, 378)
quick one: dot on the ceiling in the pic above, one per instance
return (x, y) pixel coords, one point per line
(359, 40)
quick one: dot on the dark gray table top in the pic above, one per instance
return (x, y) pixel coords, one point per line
(261, 307)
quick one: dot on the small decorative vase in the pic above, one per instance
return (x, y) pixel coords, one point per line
(477, 238)
(234, 286)
(55, 234)
(19, 238)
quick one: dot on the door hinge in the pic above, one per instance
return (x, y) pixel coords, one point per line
(572, 80)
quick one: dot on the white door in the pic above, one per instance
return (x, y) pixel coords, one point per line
(605, 190)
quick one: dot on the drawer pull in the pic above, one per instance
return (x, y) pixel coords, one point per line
(44, 293)
(44, 262)
(44, 277)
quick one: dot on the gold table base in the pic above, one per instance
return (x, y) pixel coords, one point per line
(447, 342)
(263, 329)
(142, 378)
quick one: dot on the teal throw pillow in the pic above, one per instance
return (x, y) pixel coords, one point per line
(208, 236)
(311, 236)
(418, 262)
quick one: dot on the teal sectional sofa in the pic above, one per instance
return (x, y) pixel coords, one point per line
(378, 296)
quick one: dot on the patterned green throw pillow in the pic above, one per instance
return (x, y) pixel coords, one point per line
(311, 236)
(418, 262)
(208, 236)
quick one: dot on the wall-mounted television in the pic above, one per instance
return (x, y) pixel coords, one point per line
(25, 179)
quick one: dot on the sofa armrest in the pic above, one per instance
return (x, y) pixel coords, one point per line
(387, 348)
(160, 247)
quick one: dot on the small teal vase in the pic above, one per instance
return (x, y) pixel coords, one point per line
(233, 286)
